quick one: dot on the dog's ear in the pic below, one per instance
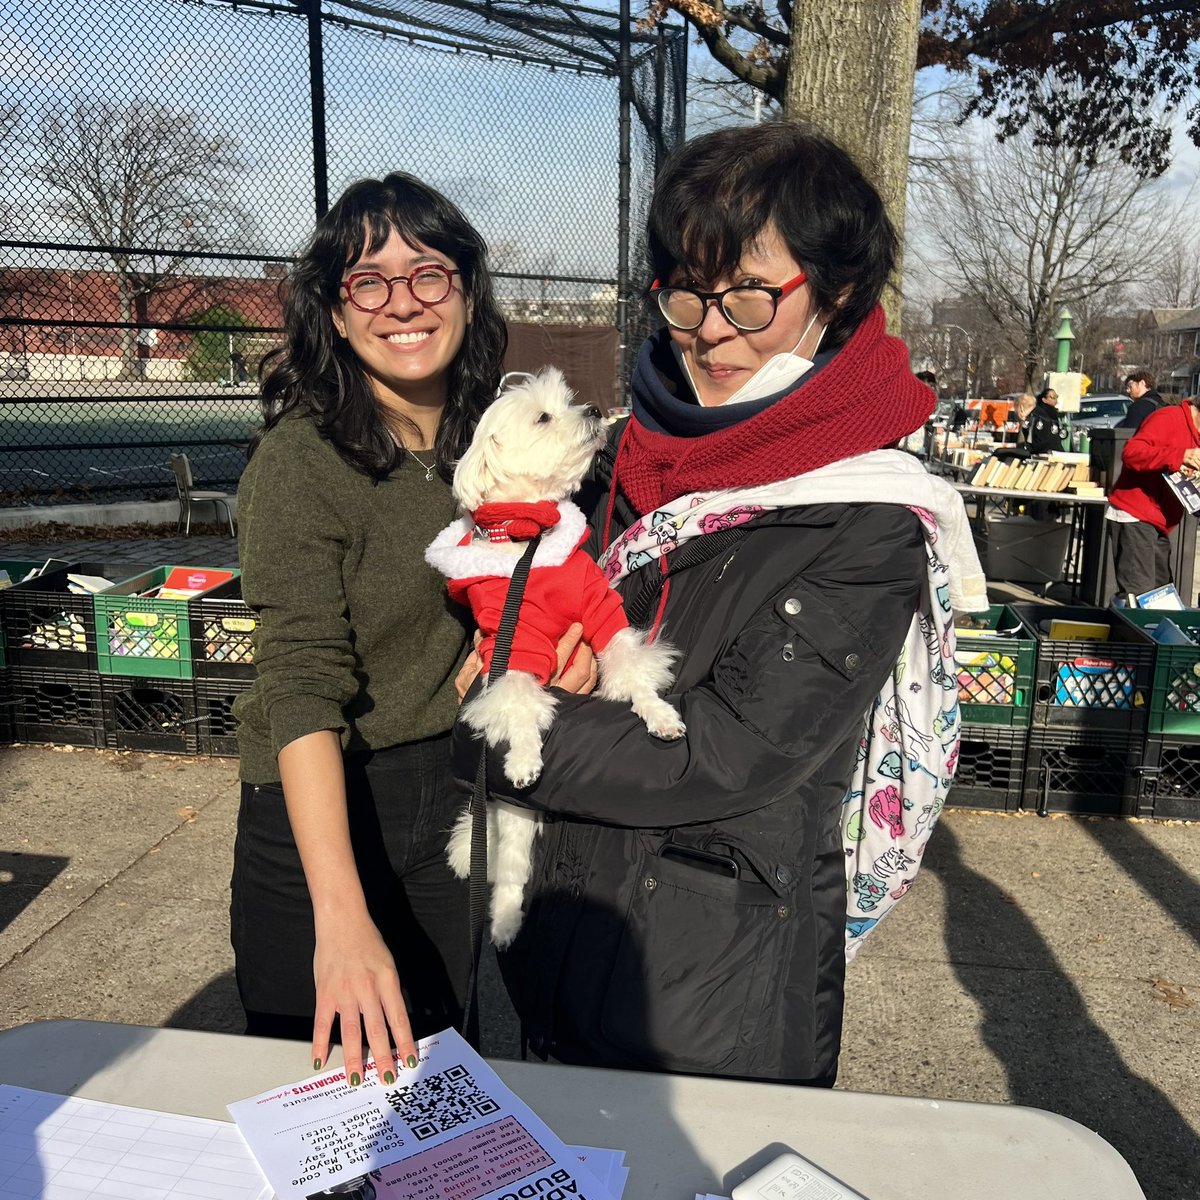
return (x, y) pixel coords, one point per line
(473, 477)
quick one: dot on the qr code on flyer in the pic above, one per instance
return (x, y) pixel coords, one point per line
(441, 1102)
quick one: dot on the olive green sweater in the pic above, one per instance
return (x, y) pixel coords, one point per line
(355, 630)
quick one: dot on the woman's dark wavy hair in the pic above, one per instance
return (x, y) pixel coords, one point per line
(717, 193)
(316, 372)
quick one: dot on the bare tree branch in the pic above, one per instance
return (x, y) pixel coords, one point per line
(141, 177)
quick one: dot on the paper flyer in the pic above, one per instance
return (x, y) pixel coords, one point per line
(66, 1148)
(448, 1129)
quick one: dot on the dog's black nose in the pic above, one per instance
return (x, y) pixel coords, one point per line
(592, 411)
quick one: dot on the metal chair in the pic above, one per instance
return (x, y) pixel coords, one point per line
(188, 495)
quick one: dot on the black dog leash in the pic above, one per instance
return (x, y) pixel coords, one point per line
(478, 894)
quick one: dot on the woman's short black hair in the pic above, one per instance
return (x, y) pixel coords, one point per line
(315, 371)
(717, 193)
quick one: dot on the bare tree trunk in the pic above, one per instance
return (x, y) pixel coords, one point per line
(851, 72)
(128, 368)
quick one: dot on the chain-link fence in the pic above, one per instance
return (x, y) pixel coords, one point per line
(163, 159)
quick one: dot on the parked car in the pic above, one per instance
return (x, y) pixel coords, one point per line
(1102, 411)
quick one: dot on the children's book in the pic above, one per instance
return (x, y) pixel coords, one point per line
(1186, 486)
(1161, 597)
(185, 582)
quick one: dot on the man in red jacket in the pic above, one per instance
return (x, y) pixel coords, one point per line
(1142, 509)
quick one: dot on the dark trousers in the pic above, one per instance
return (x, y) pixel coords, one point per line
(1141, 556)
(401, 802)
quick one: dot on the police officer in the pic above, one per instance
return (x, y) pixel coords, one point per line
(1043, 429)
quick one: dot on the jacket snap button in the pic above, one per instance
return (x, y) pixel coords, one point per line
(852, 662)
(783, 875)
(651, 884)
(782, 910)
(791, 606)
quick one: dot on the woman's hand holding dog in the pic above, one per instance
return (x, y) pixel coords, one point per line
(576, 665)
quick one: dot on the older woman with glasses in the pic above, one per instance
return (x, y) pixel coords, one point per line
(344, 909)
(692, 900)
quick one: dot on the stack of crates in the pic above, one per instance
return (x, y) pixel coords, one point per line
(994, 657)
(1090, 707)
(1170, 777)
(222, 632)
(144, 655)
(51, 689)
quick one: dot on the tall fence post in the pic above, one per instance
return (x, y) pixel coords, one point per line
(316, 83)
(625, 72)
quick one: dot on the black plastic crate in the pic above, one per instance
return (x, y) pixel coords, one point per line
(1170, 779)
(56, 706)
(1086, 771)
(46, 624)
(1090, 684)
(216, 729)
(144, 713)
(991, 768)
(222, 633)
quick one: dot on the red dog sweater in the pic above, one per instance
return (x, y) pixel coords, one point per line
(564, 586)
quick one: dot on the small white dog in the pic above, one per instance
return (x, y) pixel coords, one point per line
(530, 452)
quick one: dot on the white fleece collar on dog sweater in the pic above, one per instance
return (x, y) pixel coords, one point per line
(457, 555)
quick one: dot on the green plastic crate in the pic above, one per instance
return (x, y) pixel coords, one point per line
(16, 572)
(147, 637)
(995, 674)
(1175, 689)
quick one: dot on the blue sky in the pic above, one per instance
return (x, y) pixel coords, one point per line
(531, 155)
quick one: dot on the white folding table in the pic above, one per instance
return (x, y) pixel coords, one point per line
(681, 1134)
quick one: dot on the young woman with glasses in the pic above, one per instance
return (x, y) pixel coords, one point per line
(344, 909)
(691, 901)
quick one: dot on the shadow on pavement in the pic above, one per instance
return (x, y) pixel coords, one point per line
(213, 1009)
(24, 878)
(1054, 1054)
(1157, 874)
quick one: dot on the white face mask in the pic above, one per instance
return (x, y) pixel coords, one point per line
(777, 373)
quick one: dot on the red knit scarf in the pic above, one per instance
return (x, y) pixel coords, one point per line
(864, 399)
(515, 522)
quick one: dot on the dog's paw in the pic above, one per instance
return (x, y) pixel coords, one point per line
(668, 731)
(458, 851)
(662, 721)
(505, 928)
(522, 767)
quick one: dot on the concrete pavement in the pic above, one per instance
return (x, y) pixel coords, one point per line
(1051, 963)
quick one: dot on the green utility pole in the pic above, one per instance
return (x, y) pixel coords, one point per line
(1066, 335)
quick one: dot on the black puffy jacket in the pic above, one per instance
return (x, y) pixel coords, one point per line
(630, 957)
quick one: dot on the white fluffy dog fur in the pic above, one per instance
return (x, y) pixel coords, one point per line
(534, 444)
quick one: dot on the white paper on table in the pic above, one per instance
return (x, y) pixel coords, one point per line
(65, 1148)
(608, 1166)
(448, 1129)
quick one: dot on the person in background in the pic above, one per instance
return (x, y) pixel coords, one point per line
(1044, 430)
(1142, 510)
(1139, 387)
(344, 908)
(1022, 411)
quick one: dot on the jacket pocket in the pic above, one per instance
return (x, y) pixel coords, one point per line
(692, 978)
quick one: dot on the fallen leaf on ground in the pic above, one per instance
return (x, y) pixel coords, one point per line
(187, 812)
(1174, 995)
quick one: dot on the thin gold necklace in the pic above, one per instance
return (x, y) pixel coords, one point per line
(429, 467)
